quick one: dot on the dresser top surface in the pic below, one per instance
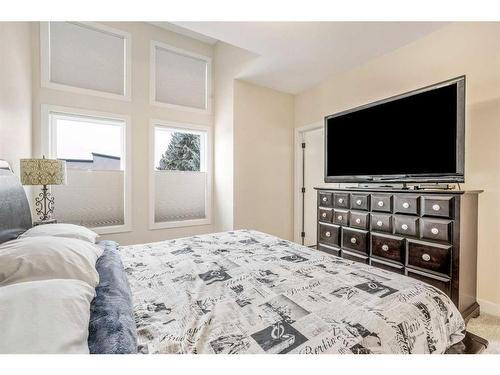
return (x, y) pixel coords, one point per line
(399, 191)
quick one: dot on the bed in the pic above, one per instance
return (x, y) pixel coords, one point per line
(249, 292)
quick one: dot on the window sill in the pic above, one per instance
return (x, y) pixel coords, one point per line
(112, 229)
(205, 111)
(179, 224)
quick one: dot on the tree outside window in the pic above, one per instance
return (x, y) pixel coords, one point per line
(182, 154)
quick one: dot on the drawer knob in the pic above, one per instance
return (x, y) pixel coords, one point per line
(436, 207)
(339, 218)
(434, 231)
(380, 204)
(358, 202)
(323, 214)
(426, 257)
(404, 227)
(406, 205)
(328, 234)
(325, 199)
(379, 223)
(385, 247)
(341, 200)
(358, 221)
(353, 240)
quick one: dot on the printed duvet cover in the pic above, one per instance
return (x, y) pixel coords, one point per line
(249, 292)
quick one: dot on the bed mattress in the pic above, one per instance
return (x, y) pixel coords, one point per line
(249, 292)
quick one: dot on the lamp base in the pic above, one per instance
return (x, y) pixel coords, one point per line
(44, 204)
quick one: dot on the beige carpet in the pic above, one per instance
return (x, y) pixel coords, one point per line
(488, 327)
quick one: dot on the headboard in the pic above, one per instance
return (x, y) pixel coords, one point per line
(15, 215)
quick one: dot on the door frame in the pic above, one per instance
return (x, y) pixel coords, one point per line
(297, 180)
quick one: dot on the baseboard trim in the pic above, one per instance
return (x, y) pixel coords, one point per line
(489, 308)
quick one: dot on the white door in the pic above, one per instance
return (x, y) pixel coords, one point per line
(313, 177)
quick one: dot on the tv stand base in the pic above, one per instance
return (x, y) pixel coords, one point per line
(435, 187)
(406, 186)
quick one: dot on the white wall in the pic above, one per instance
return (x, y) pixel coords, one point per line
(263, 160)
(140, 112)
(15, 92)
(253, 131)
(460, 48)
(229, 62)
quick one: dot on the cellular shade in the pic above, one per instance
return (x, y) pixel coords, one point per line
(180, 79)
(92, 198)
(88, 58)
(179, 196)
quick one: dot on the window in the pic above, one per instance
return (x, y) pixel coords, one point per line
(97, 194)
(179, 79)
(85, 57)
(180, 175)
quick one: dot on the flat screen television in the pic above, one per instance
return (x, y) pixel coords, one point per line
(414, 137)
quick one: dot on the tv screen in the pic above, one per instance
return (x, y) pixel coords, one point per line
(418, 136)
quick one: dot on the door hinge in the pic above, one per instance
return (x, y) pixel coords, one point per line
(302, 234)
(303, 145)
(303, 190)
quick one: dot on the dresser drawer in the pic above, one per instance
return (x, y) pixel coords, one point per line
(325, 215)
(381, 202)
(431, 257)
(329, 249)
(388, 247)
(391, 267)
(407, 204)
(356, 257)
(437, 206)
(329, 234)
(355, 239)
(358, 220)
(441, 283)
(325, 199)
(359, 202)
(435, 229)
(406, 225)
(381, 222)
(341, 200)
(424, 234)
(341, 217)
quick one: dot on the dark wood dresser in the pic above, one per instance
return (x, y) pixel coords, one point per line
(428, 235)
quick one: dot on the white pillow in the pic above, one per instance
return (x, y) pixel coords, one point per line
(62, 230)
(44, 258)
(49, 316)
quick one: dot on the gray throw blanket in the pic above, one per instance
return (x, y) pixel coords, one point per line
(112, 328)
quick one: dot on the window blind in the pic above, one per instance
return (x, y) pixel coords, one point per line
(180, 79)
(83, 57)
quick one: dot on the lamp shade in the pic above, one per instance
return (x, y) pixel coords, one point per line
(43, 172)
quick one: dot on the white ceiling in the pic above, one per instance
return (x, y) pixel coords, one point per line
(294, 56)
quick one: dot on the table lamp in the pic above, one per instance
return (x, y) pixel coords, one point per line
(43, 172)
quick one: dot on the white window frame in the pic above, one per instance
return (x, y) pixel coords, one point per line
(48, 140)
(45, 62)
(154, 123)
(152, 78)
